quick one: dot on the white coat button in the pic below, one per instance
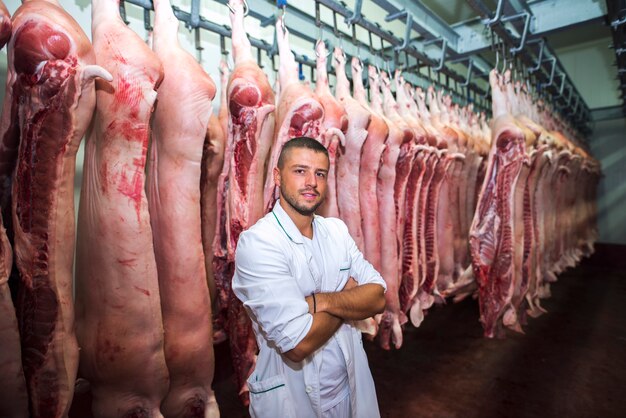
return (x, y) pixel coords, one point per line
(309, 389)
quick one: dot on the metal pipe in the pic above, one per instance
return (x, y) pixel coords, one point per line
(552, 72)
(497, 17)
(147, 25)
(123, 12)
(444, 45)
(526, 17)
(542, 44)
(469, 73)
(563, 76)
(195, 14)
(407, 31)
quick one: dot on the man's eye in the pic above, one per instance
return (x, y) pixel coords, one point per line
(321, 175)
(299, 171)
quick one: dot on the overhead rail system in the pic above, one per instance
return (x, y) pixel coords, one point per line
(430, 51)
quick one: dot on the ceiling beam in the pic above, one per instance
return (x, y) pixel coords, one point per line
(547, 16)
(425, 21)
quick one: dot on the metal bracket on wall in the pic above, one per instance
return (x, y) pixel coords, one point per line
(542, 45)
(356, 15)
(444, 46)
(194, 19)
(526, 16)
(407, 30)
(123, 12)
(147, 23)
(496, 17)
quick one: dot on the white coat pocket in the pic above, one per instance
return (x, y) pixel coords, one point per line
(270, 398)
(343, 276)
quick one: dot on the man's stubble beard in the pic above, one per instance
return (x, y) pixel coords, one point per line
(302, 210)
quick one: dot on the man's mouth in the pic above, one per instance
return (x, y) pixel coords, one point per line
(309, 194)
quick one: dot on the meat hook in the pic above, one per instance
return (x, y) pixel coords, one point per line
(198, 44)
(146, 20)
(497, 59)
(319, 39)
(282, 20)
(122, 8)
(246, 8)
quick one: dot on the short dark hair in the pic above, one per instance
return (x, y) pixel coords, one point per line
(300, 142)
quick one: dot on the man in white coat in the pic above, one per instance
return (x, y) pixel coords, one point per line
(303, 282)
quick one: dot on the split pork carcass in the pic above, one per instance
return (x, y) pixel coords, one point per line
(473, 159)
(457, 180)
(349, 160)
(404, 162)
(222, 269)
(351, 164)
(475, 151)
(181, 117)
(492, 236)
(428, 204)
(522, 229)
(418, 181)
(213, 153)
(14, 396)
(442, 193)
(118, 315)
(414, 261)
(9, 128)
(299, 111)
(250, 129)
(392, 319)
(334, 127)
(371, 154)
(51, 76)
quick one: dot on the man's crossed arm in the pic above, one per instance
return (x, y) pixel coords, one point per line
(331, 309)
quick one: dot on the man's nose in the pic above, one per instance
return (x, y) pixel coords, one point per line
(311, 180)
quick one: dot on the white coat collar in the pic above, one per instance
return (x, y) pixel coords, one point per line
(290, 229)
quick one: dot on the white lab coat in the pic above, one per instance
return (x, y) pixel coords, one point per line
(274, 272)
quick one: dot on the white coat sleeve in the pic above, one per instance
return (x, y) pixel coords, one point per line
(269, 292)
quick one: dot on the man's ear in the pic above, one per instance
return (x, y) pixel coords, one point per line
(276, 176)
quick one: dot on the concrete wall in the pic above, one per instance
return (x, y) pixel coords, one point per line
(590, 66)
(608, 144)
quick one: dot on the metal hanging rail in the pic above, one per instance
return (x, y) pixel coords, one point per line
(437, 46)
(222, 30)
(409, 50)
(305, 26)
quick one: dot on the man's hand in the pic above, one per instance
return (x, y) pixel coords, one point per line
(309, 300)
(351, 283)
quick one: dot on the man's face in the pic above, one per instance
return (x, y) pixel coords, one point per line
(302, 180)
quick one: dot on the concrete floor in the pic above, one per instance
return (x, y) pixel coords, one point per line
(570, 363)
